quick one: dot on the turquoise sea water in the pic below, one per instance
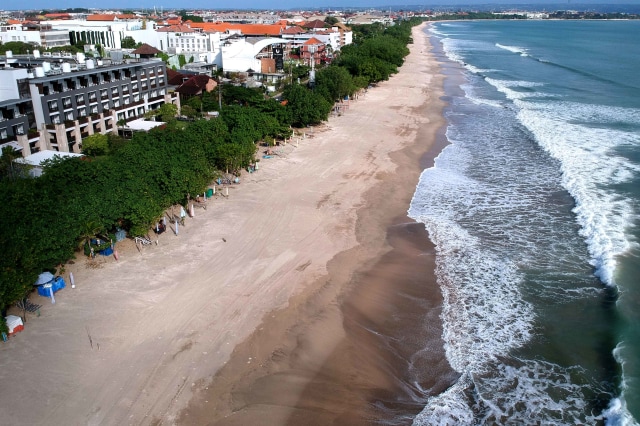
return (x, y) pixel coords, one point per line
(534, 208)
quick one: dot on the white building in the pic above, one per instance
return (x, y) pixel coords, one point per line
(41, 35)
(108, 32)
(241, 54)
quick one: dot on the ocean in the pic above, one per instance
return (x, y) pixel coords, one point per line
(533, 207)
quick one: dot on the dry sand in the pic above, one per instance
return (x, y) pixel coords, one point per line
(251, 313)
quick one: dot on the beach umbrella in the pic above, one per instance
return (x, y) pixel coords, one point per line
(43, 278)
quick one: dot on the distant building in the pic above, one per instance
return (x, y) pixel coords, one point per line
(38, 34)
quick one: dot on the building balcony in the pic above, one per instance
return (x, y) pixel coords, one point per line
(8, 139)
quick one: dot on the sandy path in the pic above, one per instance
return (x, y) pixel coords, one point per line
(168, 317)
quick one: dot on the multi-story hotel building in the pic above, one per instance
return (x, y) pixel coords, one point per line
(55, 106)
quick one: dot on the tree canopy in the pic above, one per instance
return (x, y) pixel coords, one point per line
(17, 47)
(128, 42)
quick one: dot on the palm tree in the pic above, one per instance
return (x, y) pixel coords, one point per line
(9, 155)
(89, 231)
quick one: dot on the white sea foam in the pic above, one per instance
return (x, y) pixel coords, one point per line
(530, 389)
(454, 50)
(450, 48)
(617, 414)
(480, 71)
(589, 163)
(507, 87)
(436, 30)
(514, 49)
(470, 93)
(450, 408)
(484, 314)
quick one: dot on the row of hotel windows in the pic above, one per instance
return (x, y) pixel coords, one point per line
(82, 111)
(93, 97)
(98, 79)
(183, 42)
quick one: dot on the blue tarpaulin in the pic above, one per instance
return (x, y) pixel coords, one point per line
(57, 284)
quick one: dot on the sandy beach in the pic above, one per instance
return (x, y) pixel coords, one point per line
(298, 299)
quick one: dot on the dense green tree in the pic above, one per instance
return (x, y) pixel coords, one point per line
(166, 112)
(189, 111)
(331, 20)
(128, 43)
(334, 83)
(95, 145)
(240, 95)
(188, 17)
(306, 106)
(17, 47)
(194, 102)
(115, 142)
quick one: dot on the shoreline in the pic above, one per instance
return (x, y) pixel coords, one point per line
(338, 358)
(140, 339)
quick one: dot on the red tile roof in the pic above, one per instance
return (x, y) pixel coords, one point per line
(246, 29)
(293, 30)
(174, 78)
(312, 41)
(195, 85)
(316, 24)
(101, 17)
(57, 16)
(110, 17)
(145, 49)
(176, 29)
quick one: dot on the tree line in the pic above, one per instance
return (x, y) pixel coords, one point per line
(129, 184)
